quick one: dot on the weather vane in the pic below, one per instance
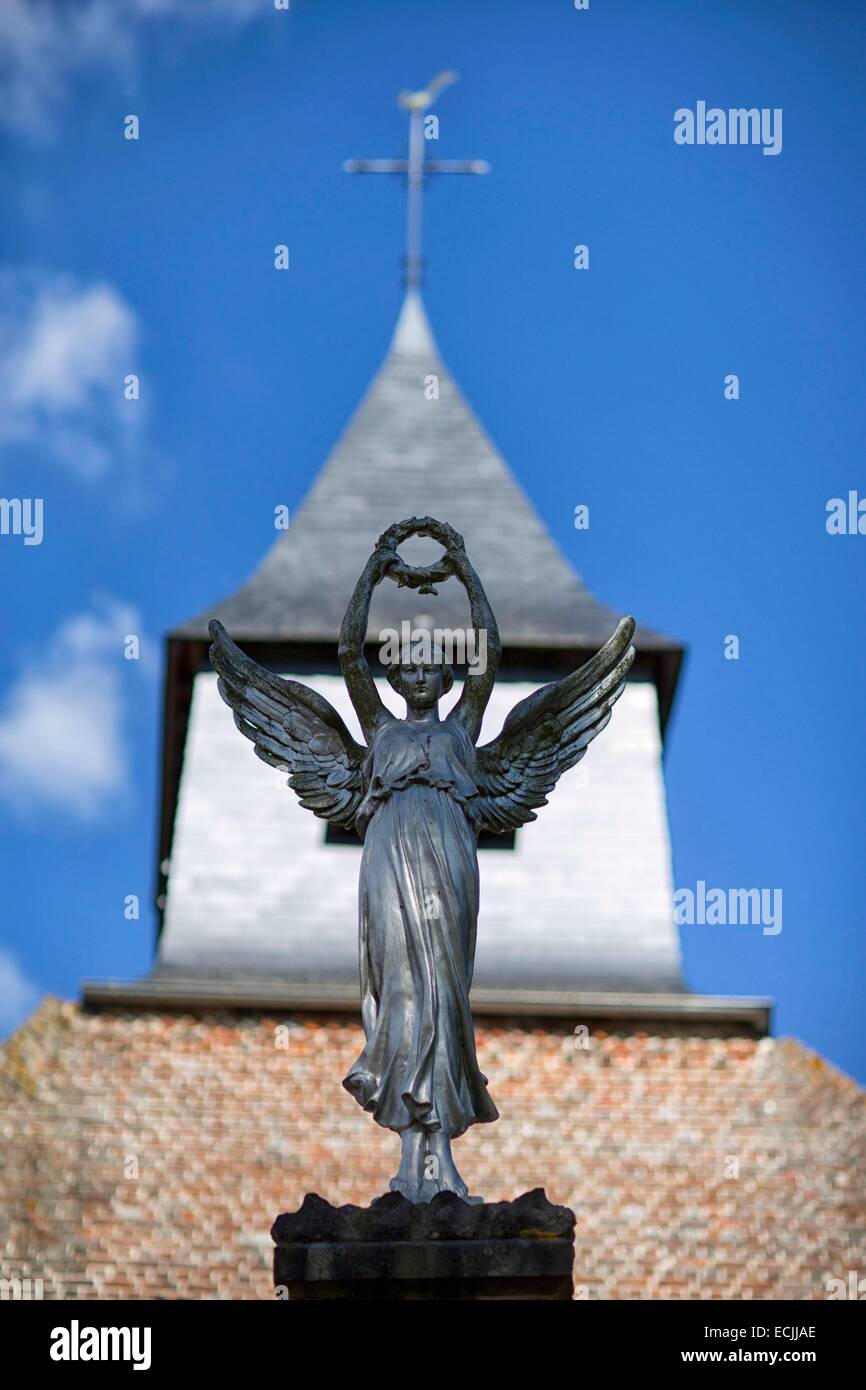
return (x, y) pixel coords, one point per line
(416, 166)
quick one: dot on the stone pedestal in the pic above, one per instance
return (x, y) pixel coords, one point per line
(445, 1249)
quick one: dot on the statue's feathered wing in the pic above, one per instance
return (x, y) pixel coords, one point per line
(293, 729)
(547, 733)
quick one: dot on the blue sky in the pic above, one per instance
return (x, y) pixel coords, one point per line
(603, 386)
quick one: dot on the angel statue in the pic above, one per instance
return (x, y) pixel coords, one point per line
(418, 793)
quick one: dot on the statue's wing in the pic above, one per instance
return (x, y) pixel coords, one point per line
(293, 729)
(547, 733)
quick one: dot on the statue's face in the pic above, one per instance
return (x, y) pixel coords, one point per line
(420, 686)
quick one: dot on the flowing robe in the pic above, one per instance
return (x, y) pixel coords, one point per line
(418, 911)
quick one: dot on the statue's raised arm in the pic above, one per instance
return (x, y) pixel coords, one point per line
(478, 686)
(350, 650)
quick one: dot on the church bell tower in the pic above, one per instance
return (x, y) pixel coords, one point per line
(257, 899)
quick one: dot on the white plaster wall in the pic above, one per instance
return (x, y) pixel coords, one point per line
(584, 901)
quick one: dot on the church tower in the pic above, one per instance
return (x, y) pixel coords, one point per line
(258, 894)
(256, 898)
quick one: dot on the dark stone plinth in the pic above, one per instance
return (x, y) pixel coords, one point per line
(446, 1249)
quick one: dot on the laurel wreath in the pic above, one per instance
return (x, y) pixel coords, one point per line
(421, 577)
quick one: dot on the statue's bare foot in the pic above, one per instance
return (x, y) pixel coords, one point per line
(411, 1190)
(409, 1178)
(452, 1182)
(440, 1168)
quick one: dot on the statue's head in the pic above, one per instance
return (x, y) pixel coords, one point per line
(421, 683)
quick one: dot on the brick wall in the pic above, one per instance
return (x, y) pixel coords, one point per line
(146, 1155)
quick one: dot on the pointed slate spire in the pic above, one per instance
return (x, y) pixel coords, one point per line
(414, 447)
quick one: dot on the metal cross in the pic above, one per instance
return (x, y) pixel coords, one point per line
(416, 166)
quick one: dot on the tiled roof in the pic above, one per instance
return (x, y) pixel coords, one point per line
(146, 1155)
(406, 455)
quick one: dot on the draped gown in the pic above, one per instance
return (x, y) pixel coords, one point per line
(418, 910)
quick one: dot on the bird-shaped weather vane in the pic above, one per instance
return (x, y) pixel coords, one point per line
(416, 166)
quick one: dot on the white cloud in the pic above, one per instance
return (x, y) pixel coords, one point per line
(47, 45)
(62, 740)
(18, 994)
(65, 350)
